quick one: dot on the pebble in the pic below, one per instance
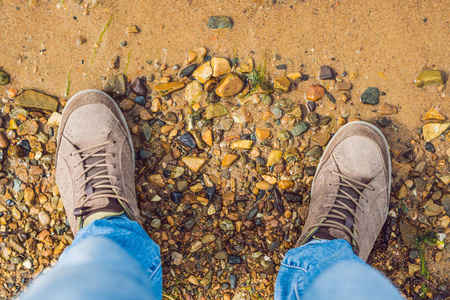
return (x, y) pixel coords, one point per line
(187, 140)
(274, 157)
(383, 122)
(219, 22)
(4, 78)
(114, 62)
(326, 73)
(116, 85)
(310, 171)
(186, 72)
(145, 114)
(229, 159)
(428, 77)
(166, 88)
(126, 104)
(321, 138)
(430, 147)
(433, 130)
(233, 281)
(226, 225)
(234, 260)
(4, 142)
(215, 110)
(370, 96)
(343, 86)
(282, 83)
(138, 87)
(229, 86)
(220, 66)
(194, 163)
(242, 144)
(431, 209)
(44, 218)
(131, 29)
(315, 151)
(299, 128)
(433, 114)
(35, 100)
(314, 92)
(387, 109)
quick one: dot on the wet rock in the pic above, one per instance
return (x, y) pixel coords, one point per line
(36, 100)
(229, 86)
(311, 106)
(274, 157)
(245, 66)
(433, 130)
(207, 279)
(4, 78)
(262, 134)
(176, 197)
(220, 66)
(4, 142)
(233, 281)
(140, 100)
(314, 92)
(402, 192)
(330, 97)
(242, 144)
(310, 171)
(428, 77)
(203, 73)
(221, 255)
(326, 73)
(131, 29)
(229, 159)
(343, 86)
(234, 260)
(293, 197)
(321, 138)
(186, 72)
(215, 110)
(296, 111)
(44, 218)
(116, 85)
(430, 147)
(187, 140)
(216, 22)
(226, 225)
(194, 163)
(29, 127)
(299, 128)
(167, 88)
(126, 104)
(283, 135)
(431, 209)
(138, 87)
(196, 55)
(370, 96)
(315, 151)
(282, 83)
(408, 232)
(383, 122)
(16, 151)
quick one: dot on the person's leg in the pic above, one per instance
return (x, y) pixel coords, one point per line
(111, 258)
(348, 206)
(323, 268)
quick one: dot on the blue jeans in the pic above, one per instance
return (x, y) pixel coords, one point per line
(114, 258)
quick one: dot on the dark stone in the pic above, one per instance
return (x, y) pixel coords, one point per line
(293, 197)
(278, 201)
(225, 173)
(188, 71)
(233, 281)
(258, 222)
(414, 254)
(25, 145)
(430, 147)
(260, 161)
(315, 151)
(274, 246)
(212, 98)
(326, 73)
(140, 100)
(234, 260)
(189, 224)
(324, 120)
(371, 96)
(383, 122)
(261, 194)
(116, 85)
(330, 97)
(299, 128)
(311, 106)
(176, 197)
(4, 78)
(281, 67)
(252, 213)
(138, 87)
(216, 22)
(187, 140)
(225, 286)
(210, 192)
(409, 155)
(144, 154)
(310, 171)
(314, 118)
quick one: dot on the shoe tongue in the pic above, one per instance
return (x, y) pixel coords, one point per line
(332, 233)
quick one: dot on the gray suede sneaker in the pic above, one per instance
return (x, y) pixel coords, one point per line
(351, 188)
(95, 161)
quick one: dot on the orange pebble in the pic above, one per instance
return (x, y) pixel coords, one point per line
(11, 93)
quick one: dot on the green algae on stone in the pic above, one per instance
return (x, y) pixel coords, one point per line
(215, 110)
(4, 78)
(216, 22)
(428, 77)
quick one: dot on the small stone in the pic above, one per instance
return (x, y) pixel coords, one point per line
(412, 268)
(299, 128)
(311, 106)
(196, 55)
(285, 184)
(274, 157)
(114, 62)
(116, 85)
(44, 218)
(167, 88)
(29, 127)
(29, 196)
(293, 197)
(310, 171)
(81, 40)
(433, 114)
(4, 142)
(370, 96)
(283, 135)
(229, 86)
(296, 111)
(344, 97)
(15, 151)
(131, 29)
(314, 92)
(221, 255)
(242, 144)
(54, 120)
(177, 258)
(263, 185)
(315, 151)
(428, 77)
(215, 110)
(245, 66)
(226, 225)
(156, 223)
(203, 73)
(36, 100)
(387, 109)
(194, 92)
(234, 260)
(430, 147)
(145, 115)
(219, 22)
(383, 122)
(343, 86)
(431, 209)
(27, 264)
(229, 159)
(138, 87)
(233, 281)
(408, 232)
(262, 134)
(192, 279)
(282, 83)
(321, 138)
(220, 66)
(402, 192)
(194, 163)
(341, 121)
(4, 78)
(326, 73)
(126, 104)
(277, 112)
(207, 137)
(433, 130)
(186, 72)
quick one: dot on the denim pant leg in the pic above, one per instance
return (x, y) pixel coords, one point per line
(324, 269)
(111, 258)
